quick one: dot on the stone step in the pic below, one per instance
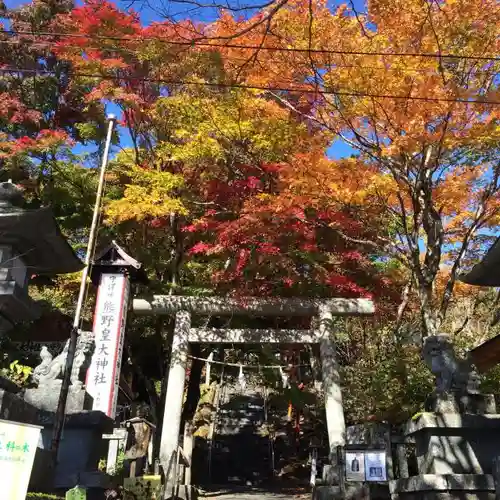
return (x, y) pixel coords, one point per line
(241, 413)
(256, 495)
(239, 421)
(242, 407)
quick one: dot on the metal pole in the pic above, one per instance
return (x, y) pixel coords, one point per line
(93, 227)
(63, 396)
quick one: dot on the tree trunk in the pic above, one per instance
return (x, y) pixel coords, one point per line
(177, 253)
(427, 311)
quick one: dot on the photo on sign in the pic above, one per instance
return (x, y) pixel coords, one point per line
(375, 466)
(355, 466)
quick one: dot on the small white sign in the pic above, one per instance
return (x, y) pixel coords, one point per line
(18, 443)
(355, 466)
(375, 466)
(103, 376)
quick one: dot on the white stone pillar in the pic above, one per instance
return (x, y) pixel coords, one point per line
(331, 383)
(175, 391)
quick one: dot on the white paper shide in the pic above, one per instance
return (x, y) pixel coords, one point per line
(110, 315)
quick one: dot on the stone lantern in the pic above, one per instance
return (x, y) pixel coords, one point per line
(30, 243)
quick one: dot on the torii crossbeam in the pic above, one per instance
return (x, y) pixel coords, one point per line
(322, 310)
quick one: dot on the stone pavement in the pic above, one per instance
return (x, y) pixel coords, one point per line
(255, 494)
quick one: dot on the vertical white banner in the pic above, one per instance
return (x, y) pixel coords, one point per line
(18, 443)
(103, 376)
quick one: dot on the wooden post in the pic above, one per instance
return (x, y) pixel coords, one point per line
(133, 466)
(112, 456)
(116, 443)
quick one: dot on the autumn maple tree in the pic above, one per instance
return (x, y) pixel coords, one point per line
(43, 115)
(223, 177)
(412, 88)
(224, 183)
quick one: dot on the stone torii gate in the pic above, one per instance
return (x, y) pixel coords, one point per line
(322, 311)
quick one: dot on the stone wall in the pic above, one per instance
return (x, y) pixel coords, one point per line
(13, 407)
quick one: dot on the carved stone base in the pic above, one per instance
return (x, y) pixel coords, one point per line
(353, 491)
(80, 448)
(46, 398)
(450, 443)
(461, 402)
(444, 487)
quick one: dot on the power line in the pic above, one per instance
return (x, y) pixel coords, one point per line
(195, 43)
(404, 69)
(257, 87)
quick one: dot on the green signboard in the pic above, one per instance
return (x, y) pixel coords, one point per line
(76, 493)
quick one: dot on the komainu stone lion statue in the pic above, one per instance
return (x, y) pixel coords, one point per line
(452, 373)
(51, 370)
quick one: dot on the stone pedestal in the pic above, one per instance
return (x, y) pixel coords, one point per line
(461, 402)
(81, 444)
(353, 491)
(47, 398)
(444, 487)
(453, 443)
(80, 448)
(456, 445)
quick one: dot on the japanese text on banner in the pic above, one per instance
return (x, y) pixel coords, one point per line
(109, 327)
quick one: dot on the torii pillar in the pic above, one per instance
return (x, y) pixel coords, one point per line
(322, 310)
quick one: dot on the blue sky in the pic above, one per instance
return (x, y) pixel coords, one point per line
(153, 12)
